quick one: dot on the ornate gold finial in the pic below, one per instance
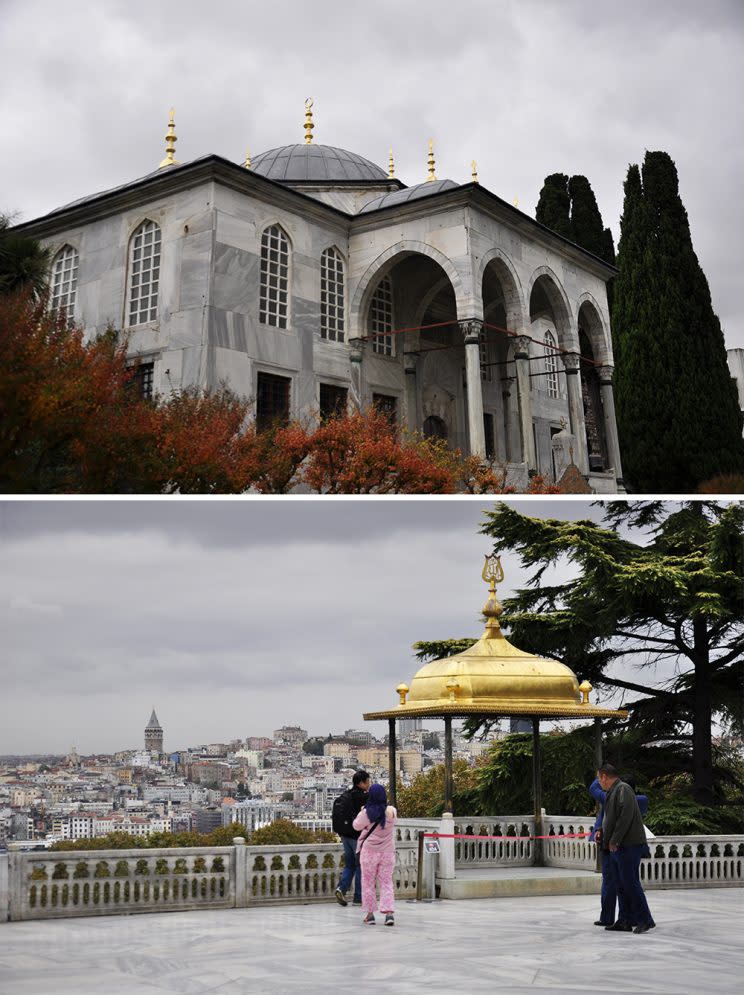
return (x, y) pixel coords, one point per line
(493, 574)
(309, 121)
(391, 166)
(247, 158)
(432, 176)
(402, 690)
(474, 172)
(585, 687)
(516, 201)
(170, 142)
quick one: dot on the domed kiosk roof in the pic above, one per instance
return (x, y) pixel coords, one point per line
(397, 197)
(493, 677)
(295, 163)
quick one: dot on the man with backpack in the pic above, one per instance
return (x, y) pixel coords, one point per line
(345, 809)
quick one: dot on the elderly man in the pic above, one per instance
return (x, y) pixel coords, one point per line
(624, 835)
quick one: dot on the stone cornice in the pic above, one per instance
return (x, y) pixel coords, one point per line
(174, 180)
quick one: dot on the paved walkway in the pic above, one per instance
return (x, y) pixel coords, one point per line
(536, 945)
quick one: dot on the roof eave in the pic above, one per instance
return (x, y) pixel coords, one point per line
(462, 710)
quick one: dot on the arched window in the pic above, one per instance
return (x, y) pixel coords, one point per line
(332, 296)
(380, 324)
(274, 302)
(64, 281)
(551, 365)
(144, 273)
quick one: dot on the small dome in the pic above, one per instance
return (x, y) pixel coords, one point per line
(425, 189)
(295, 163)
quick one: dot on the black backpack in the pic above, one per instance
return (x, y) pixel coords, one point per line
(343, 814)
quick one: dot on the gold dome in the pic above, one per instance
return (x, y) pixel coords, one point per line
(493, 677)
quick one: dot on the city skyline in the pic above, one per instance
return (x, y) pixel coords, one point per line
(230, 619)
(580, 88)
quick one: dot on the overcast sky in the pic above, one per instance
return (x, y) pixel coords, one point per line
(229, 618)
(527, 88)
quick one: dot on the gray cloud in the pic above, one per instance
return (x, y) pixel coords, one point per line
(526, 88)
(231, 618)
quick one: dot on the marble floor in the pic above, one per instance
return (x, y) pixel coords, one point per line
(536, 945)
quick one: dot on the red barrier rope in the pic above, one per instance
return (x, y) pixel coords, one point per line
(464, 836)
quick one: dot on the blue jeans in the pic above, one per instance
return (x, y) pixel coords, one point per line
(634, 908)
(609, 890)
(351, 869)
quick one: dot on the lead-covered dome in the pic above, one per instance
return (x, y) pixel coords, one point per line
(295, 163)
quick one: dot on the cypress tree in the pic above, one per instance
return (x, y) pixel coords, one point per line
(677, 408)
(587, 227)
(554, 206)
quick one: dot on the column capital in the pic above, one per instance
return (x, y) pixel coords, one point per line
(605, 374)
(471, 329)
(522, 347)
(356, 350)
(571, 361)
(410, 362)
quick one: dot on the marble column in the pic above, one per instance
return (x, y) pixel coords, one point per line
(608, 409)
(410, 364)
(356, 378)
(508, 383)
(522, 363)
(572, 362)
(471, 330)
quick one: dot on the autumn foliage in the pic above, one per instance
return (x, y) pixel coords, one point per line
(73, 421)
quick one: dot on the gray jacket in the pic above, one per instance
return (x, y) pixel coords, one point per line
(623, 822)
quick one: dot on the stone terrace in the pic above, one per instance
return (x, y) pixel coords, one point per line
(537, 945)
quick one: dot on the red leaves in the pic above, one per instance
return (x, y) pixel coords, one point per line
(72, 421)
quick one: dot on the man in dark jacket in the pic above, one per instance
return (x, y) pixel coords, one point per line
(624, 836)
(346, 808)
(610, 896)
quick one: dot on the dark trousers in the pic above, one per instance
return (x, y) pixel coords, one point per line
(609, 890)
(626, 864)
(351, 868)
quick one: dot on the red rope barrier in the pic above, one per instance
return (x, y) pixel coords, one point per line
(465, 836)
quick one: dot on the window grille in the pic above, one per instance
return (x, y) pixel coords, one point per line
(332, 401)
(64, 281)
(380, 324)
(144, 273)
(272, 400)
(486, 370)
(331, 296)
(489, 436)
(387, 405)
(551, 365)
(143, 379)
(274, 299)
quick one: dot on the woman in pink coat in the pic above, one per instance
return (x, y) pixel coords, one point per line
(376, 850)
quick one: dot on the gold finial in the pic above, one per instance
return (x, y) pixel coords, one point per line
(493, 574)
(431, 177)
(247, 158)
(170, 142)
(516, 201)
(474, 173)
(402, 690)
(391, 166)
(585, 687)
(309, 121)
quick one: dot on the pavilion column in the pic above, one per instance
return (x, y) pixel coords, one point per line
(522, 363)
(598, 743)
(356, 377)
(506, 401)
(572, 363)
(608, 408)
(448, 784)
(410, 360)
(392, 763)
(537, 793)
(471, 330)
